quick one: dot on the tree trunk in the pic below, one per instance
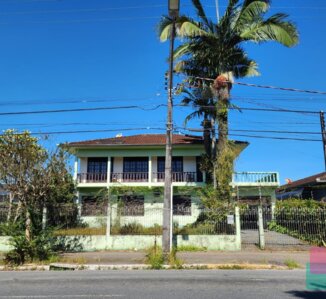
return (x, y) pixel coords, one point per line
(10, 207)
(28, 225)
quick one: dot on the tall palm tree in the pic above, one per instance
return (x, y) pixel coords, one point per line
(215, 50)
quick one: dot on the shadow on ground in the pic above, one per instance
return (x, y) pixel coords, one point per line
(308, 294)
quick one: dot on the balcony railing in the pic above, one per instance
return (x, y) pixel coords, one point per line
(92, 177)
(257, 178)
(176, 176)
(136, 177)
(129, 177)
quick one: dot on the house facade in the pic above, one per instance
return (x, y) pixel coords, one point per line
(131, 170)
(312, 187)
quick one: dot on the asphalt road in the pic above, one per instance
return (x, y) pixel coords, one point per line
(190, 284)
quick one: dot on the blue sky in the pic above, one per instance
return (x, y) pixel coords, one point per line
(77, 53)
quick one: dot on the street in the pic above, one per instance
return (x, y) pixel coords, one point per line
(233, 284)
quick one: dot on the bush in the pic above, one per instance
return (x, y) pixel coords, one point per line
(135, 228)
(155, 257)
(40, 247)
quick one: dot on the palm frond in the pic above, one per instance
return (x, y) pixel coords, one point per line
(276, 28)
(201, 13)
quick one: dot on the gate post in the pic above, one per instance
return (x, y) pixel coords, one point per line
(261, 228)
(237, 227)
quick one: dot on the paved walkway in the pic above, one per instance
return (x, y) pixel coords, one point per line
(251, 256)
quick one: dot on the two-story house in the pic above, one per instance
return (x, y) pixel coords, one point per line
(132, 169)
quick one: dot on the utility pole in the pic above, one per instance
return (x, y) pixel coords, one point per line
(167, 206)
(217, 11)
(323, 133)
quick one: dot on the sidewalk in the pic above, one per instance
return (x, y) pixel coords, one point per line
(248, 256)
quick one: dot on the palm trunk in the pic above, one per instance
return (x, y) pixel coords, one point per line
(213, 145)
(222, 117)
(207, 135)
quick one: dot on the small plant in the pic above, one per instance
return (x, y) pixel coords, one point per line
(191, 248)
(231, 267)
(291, 264)
(155, 257)
(174, 261)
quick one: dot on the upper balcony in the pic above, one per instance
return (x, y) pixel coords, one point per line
(149, 171)
(256, 179)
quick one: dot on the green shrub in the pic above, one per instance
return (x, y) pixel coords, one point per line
(155, 257)
(41, 246)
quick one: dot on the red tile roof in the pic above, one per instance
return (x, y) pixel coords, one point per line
(143, 139)
(304, 182)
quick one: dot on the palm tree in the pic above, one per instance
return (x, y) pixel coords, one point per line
(215, 50)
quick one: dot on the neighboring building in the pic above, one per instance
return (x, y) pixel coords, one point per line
(127, 166)
(312, 187)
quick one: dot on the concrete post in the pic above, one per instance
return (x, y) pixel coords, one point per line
(108, 217)
(238, 227)
(273, 210)
(44, 217)
(261, 228)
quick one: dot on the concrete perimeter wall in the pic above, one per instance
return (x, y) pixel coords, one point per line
(128, 242)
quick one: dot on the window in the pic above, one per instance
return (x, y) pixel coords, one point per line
(132, 205)
(97, 165)
(93, 206)
(177, 164)
(139, 164)
(182, 205)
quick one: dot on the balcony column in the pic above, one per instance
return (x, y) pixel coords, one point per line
(204, 177)
(150, 172)
(76, 169)
(108, 179)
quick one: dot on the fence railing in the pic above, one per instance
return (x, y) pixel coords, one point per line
(284, 226)
(137, 177)
(176, 176)
(129, 177)
(91, 177)
(69, 219)
(258, 178)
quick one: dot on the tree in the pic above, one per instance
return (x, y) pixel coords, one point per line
(210, 50)
(33, 176)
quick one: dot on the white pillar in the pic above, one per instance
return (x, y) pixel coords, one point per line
(261, 228)
(150, 173)
(238, 227)
(75, 169)
(108, 216)
(109, 170)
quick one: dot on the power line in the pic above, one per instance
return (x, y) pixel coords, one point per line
(266, 86)
(263, 137)
(80, 10)
(82, 109)
(90, 131)
(256, 109)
